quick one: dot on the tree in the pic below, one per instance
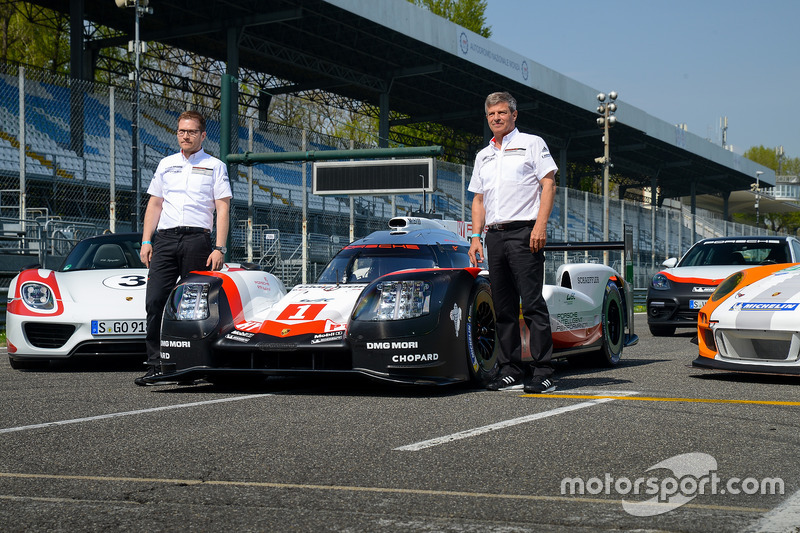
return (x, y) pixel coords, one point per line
(788, 222)
(470, 14)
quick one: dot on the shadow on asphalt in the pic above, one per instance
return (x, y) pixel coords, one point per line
(746, 377)
(321, 386)
(575, 373)
(90, 364)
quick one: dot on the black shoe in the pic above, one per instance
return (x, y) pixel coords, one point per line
(505, 383)
(539, 385)
(151, 371)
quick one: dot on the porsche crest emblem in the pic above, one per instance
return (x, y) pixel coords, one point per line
(284, 332)
(128, 298)
(774, 294)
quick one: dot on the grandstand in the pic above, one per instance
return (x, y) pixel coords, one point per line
(68, 184)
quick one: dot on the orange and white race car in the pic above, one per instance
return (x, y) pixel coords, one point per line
(751, 322)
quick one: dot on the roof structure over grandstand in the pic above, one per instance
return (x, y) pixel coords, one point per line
(394, 55)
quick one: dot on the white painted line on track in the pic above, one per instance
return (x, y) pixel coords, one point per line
(782, 519)
(130, 413)
(417, 446)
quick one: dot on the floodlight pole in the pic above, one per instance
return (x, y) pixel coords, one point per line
(140, 8)
(137, 182)
(605, 121)
(758, 195)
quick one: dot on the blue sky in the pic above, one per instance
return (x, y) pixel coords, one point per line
(683, 61)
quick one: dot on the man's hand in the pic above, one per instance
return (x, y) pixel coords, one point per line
(146, 254)
(538, 237)
(215, 260)
(475, 252)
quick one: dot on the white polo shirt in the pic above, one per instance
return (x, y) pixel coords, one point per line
(189, 187)
(509, 177)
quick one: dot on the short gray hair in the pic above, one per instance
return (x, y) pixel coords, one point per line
(500, 97)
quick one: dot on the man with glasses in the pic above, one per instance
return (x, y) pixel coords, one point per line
(187, 188)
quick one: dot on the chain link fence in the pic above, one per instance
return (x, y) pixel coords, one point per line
(64, 176)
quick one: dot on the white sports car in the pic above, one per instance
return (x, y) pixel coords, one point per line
(678, 291)
(92, 305)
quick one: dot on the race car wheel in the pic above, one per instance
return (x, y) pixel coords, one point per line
(481, 335)
(661, 331)
(613, 324)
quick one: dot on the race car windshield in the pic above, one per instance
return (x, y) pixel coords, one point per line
(744, 252)
(107, 252)
(363, 265)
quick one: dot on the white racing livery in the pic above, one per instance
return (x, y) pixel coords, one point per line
(752, 323)
(92, 305)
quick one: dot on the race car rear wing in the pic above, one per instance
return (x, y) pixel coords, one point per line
(572, 246)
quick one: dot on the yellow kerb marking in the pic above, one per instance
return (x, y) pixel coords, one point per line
(658, 399)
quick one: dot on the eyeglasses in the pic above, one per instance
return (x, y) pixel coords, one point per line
(190, 133)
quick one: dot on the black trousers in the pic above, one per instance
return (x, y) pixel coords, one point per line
(174, 256)
(517, 275)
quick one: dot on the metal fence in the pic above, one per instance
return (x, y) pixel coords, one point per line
(66, 167)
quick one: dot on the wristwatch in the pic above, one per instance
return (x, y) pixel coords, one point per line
(222, 249)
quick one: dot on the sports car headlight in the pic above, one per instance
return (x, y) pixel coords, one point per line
(727, 286)
(660, 282)
(190, 301)
(396, 300)
(37, 296)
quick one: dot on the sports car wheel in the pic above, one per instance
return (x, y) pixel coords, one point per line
(661, 331)
(613, 324)
(481, 335)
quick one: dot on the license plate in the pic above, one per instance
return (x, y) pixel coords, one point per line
(118, 327)
(696, 304)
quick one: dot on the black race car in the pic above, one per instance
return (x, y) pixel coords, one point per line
(402, 306)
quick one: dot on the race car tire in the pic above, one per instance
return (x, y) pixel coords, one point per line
(661, 331)
(481, 331)
(18, 364)
(613, 326)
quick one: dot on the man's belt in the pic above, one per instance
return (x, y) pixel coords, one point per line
(516, 224)
(185, 229)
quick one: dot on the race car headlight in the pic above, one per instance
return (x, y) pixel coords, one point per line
(190, 302)
(37, 296)
(727, 286)
(660, 282)
(396, 300)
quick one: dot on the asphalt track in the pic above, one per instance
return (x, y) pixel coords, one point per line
(83, 449)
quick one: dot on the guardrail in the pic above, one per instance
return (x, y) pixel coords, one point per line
(639, 297)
